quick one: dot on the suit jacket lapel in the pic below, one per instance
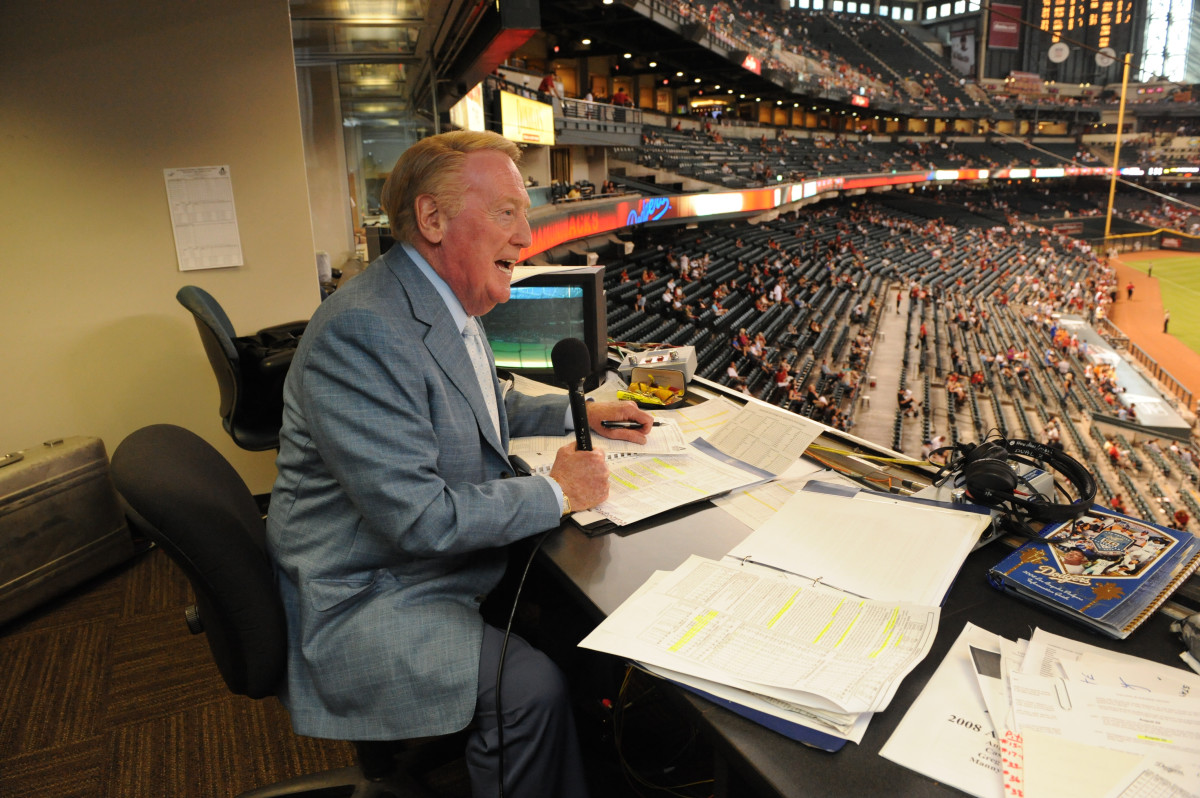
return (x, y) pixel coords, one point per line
(445, 344)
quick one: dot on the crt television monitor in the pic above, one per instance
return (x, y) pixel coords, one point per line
(541, 311)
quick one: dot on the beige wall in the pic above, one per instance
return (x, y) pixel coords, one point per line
(97, 99)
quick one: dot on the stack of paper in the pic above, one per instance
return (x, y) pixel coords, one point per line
(783, 640)
(1050, 717)
(814, 619)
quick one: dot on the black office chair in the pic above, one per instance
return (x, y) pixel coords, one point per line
(180, 492)
(250, 369)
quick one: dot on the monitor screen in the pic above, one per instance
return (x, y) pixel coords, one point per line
(541, 311)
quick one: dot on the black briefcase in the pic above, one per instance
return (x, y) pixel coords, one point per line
(60, 522)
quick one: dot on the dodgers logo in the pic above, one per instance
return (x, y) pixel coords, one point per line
(650, 209)
(1111, 542)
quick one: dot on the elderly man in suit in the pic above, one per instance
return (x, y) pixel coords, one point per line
(392, 509)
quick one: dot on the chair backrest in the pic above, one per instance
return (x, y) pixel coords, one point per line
(179, 491)
(217, 335)
(250, 370)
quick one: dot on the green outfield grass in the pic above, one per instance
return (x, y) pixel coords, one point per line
(1179, 279)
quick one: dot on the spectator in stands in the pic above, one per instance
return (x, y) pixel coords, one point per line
(639, 304)
(782, 377)
(1114, 453)
(732, 372)
(621, 98)
(755, 351)
(1117, 503)
(1053, 434)
(1180, 519)
(742, 341)
(907, 404)
(954, 386)
(796, 393)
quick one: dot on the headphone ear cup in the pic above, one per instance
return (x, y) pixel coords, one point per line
(988, 450)
(989, 482)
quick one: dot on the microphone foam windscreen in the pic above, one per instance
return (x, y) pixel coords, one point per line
(571, 360)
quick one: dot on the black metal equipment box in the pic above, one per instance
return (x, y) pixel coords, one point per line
(60, 521)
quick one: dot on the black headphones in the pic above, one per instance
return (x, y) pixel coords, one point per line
(983, 471)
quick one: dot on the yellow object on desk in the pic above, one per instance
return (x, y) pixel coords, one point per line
(654, 387)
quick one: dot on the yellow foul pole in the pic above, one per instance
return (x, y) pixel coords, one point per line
(1112, 186)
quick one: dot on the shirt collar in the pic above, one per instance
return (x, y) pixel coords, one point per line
(443, 288)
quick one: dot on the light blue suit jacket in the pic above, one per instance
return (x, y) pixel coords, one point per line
(390, 512)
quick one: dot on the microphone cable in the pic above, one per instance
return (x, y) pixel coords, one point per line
(503, 650)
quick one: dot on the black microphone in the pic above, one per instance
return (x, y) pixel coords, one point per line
(571, 361)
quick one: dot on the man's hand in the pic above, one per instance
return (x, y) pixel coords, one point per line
(619, 411)
(583, 476)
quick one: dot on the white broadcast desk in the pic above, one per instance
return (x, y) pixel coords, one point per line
(753, 760)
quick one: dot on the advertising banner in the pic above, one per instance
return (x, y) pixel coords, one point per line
(1004, 27)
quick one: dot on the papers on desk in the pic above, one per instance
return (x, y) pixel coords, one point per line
(770, 634)
(754, 505)
(866, 543)
(765, 437)
(1067, 718)
(669, 472)
(700, 420)
(539, 451)
(814, 619)
(642, 487)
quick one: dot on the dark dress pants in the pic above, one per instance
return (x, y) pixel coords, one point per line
(541, 748)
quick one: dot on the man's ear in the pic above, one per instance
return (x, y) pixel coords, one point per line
(430, 219)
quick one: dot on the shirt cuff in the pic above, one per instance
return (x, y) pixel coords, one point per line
(558, 493)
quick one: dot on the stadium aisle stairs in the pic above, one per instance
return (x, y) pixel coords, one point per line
(873, 421)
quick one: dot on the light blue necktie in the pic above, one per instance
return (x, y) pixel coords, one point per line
(473, 338)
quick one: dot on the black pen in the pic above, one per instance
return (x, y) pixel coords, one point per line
(626, 424)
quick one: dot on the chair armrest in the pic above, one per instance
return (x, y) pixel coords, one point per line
(291, 328)
(276, 361)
